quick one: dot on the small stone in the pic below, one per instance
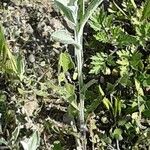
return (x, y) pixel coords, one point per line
(32, 58)
(10, 8)
(42, 63)
(29, 29)
(4, 4)
(55, 23)
(104, 119)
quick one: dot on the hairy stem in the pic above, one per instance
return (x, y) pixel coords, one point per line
(79, 55)
(117, 142)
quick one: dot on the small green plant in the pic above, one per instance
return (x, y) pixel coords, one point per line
(77, 15)
(9, 63)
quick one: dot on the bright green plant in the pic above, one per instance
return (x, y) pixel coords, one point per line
(101, 62)
(8, 62)
(126, 66)
(77, 14)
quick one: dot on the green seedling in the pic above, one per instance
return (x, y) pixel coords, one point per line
(9, 63)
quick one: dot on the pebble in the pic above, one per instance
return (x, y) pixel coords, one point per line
(10, 8)
(31, 58)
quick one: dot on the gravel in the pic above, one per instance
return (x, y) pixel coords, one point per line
(28, 27)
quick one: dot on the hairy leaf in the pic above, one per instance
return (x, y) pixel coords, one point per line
(64, 37)
(32, 143)
(89, 11)
(65, 9)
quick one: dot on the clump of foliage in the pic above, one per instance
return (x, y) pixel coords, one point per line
(126, 29)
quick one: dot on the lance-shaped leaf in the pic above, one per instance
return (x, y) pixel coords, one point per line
(64, 37)
(68, 12)
(89, 84)
(81, 4)
(107, 103)
(91, 8)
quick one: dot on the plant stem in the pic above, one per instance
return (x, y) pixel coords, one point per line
(79, 55)
(117, 142)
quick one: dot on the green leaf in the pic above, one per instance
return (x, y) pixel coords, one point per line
(107, 103)
(146, 112)
(66, 10)
(122, 122)
(89, 84)
(123, 62)
(117, 133)
(89, 11)
(67, 92)
(66, 62)
(125, 78)
(57, 145)
(99, 63)
(146, 10)
(8, 60)
(95, 103)
(136, 61)
(2, 40)
(73, 103)
(102, 37)
(21, 91)
(117, 109)
(134, 4)
(70, 89)
(101, 91)
(32, 143)
(81, 11)
(146, 81)
(41, 93)
(64, 37)
(70, 95)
